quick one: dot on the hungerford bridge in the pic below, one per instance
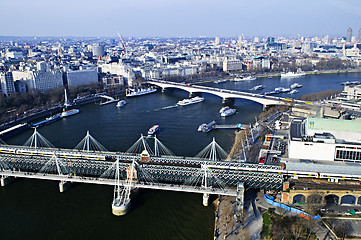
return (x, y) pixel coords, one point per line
(227, 94)
(147, 164)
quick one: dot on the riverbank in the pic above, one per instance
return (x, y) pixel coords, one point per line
(270, 75)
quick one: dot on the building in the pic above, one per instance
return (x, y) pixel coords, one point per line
(45, 80)
(113, 80)
(352, 92)
(74, 78)
(7, 83)
(216, 41)
(232, 65)
(359, 36)
(325, 139)
(119, 69)
(98, 50)
(349, 34)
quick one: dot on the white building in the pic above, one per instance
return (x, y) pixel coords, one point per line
(46, 80)
(325, 139)
(7, 83)
(81, 77)
(232, 65)
(119, 69)
(352, 92)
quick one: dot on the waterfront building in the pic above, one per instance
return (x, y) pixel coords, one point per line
(349, 34)
(113, 80)
(7, 83)
(74, 78)
(46, 80)
(232, 65)
(119, 69)
(325, 139)
(352, 92)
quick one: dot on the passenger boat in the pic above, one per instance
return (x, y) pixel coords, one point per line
(48, 120)
(295, 85)
(292, 75)
(139, 92)
(249, 78)
(258, 87)
(153, 130)
(223, 109)
(294, 91)
(220, 81)
(69, 112)
(121, 103)
(185, 102)
(228, 112)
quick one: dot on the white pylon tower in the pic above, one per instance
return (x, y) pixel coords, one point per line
(121, 199)
(205, 184)
(36, 140)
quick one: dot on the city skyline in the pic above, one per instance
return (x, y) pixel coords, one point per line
(160, 18)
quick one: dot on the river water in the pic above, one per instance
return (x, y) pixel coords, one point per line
(33, 209)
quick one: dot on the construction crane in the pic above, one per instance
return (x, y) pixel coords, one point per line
(123, 43)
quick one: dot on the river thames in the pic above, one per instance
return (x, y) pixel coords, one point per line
(33, 209)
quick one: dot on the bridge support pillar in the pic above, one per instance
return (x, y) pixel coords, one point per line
(227, 100)
(63, 186)
(120, 209)
(163, 90)
(240, 198)
(194, 94)
(205, 199)
(6, 180)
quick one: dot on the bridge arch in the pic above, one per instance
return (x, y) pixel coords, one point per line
(359, 201)
(348, 199)
(299, 198)
(314, 199)
(332, 199)
(223, 93)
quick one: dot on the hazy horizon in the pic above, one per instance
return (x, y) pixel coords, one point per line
(187, 18)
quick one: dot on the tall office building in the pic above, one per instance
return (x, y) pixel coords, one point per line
(81, 77)
(98, 50)
(217, 41)
(349, 34)
(7, 83)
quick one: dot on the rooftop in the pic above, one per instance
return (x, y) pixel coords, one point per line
(333, 125)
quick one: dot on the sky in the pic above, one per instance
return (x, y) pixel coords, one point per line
(179, 18)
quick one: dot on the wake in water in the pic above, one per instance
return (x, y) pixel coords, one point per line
(163, 108)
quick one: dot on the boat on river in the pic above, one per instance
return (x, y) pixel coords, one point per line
(292, 75)
(187, 101)
(153, 130)
(121, 103)
(139, 92)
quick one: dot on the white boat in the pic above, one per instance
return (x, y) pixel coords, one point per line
(294, 91)
(249, 78)
(223, 109)
(281, 90)
(220, 81)
(228, 112)
(295, 85)
(258, 87)
(121, 103)
(69, 112)
(201, 127)
(139, 92)
(190, 101)
(292, 75)
(153, 130)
